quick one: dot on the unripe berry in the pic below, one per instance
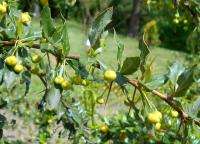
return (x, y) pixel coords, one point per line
(59, 80)
(25, 18)
(18, 68)
(11, 61)
(110, 75)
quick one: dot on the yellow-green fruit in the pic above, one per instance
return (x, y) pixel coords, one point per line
(3, 7)
(35, 70)
(174, 113)
(104, 129)
(159, 114)
(85, 82)
(35, 58)
(18, 68)
(43, 2)
(153, 118)
(66, 85)
(59, 80)
(49, 121)
(11, 61)
(176, 21)
(100, 100)
(110, 75)
(157, 126)
(25, 18)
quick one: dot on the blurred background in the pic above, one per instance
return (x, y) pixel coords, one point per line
(164, 24)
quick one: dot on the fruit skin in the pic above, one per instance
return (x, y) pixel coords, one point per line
(35, 70)
(110, 75)
(159, 114)
(18, 68)
(66, 85)
(104, 129)
(43, 2)
(154, 117)
(174, 114)
(59, 80)
(100, 100)
(49, 121)
(3, 7)
(11, 61)
(35, 58)
(85, 82)
(25, 18)
(157, 126)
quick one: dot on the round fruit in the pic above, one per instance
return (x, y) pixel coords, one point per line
(59, 80)
(3, 7)
(100, 100)
(174, 113)
(25, 18)
(49, 121)
(85, 82)
(35, 69)
(11, 61)
(35, 58)
(153, 118)
(157, 126)
(110, 75)
(18, 68)
(159, 114)
(104, 129)
(66, 85)
(43, 2)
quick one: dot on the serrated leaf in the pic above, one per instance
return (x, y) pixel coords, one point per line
(120, 49)
(130, 65)
(144, 52)
(185, 80)
(99, 24)
(47, 22)
(156, 81)
(175, 71)
(53, 98)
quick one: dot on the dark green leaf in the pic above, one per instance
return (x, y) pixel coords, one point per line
(99, 24)
(121, 80)
(130, 65)
(184, 81)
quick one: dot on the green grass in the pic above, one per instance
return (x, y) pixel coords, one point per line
(161, 56)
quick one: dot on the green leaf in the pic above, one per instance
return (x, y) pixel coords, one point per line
(130, 65)
(65, 40)
(53, 98)
(156, 81)
(144, 52)
(175, 71)
(47, 22)
(60, 110)
(184, 81)
(99, 24)
(121, 80)
(120, 49)
(9, 78)
(196, 106)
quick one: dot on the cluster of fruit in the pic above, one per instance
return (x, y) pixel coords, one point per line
(155, 118)
(12, 62)
(25, 18)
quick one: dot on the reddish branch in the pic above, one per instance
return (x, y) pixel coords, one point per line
(138, 85)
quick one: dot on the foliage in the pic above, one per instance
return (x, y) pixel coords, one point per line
(73, 86)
